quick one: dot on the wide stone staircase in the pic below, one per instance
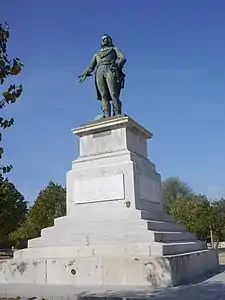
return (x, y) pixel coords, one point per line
(159, 235)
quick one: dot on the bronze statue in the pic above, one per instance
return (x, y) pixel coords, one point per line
(109, 77)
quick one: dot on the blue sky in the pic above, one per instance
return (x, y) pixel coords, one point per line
(175, 84)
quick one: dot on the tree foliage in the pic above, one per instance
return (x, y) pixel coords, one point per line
(50, 204)
(174, 189)
(13, 208)
(200, 216)
(217, 219)
(8, 68)
(194, 213)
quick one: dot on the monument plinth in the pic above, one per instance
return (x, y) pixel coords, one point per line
(115, 231)
(113, 167)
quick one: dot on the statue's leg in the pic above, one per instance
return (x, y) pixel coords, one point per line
(120, 108)
(106, 108)
(103, 90)
(113, 89)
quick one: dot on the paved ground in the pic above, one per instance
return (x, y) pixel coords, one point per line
(211, 288)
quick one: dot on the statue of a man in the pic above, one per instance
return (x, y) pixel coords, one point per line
(109, 77)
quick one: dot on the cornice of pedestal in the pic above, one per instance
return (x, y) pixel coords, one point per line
(109, 124)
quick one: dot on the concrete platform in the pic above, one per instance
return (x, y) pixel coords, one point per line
(210, 287)
(105, 269)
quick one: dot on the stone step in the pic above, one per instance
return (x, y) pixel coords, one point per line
(59, 220)
(97, 250)
(103, 237)
(164, 237)
(33, 242)
(177, 248)
(147, 215)
(93, 227)
(124, 216)
(56, 241)
(169, 218)
(137, 220)
(165, 226)
(133, 217)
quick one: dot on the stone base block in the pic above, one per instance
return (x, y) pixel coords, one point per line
(143, 270)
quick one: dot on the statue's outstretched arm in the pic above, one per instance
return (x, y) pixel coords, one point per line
(121, 59)
(89, 69)
(91, 66)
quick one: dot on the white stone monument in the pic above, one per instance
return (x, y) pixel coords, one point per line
(115, 231)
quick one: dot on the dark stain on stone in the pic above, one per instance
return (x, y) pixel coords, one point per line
(71, 262)
(1, 267)
(148, 263)
(21, 267)
(127, 204)
(35, 263)
(13, 268)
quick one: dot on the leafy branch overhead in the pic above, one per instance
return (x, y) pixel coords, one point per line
(8, 68)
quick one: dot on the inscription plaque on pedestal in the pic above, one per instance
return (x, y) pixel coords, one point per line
(99, 189)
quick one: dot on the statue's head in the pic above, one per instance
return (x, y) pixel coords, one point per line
(106, 41)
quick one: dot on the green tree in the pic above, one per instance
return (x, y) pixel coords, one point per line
(195, 213)
(13, 208)
(8, 68)
(50, 204)
(174, 189)
(217, 220)
(220, 204)
(200, 216)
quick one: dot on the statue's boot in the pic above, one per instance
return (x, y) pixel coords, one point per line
(106, 109)
(106, 113)
(117, 109)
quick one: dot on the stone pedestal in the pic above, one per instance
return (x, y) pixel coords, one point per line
(112, 170)
(115, 231)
